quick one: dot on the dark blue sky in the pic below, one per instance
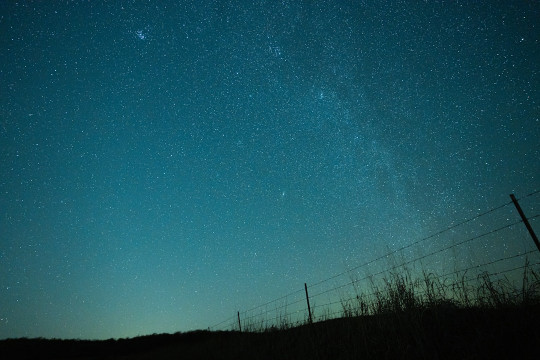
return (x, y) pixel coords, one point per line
(163, 164)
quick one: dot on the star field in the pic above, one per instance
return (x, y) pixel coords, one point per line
(163, 164)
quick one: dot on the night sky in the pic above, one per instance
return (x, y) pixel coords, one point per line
(165, 164)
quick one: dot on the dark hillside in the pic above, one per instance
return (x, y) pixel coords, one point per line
(435, 333)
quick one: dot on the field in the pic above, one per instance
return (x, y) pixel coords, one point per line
(488, 320)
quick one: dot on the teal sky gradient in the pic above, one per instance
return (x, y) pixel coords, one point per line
(164, 164)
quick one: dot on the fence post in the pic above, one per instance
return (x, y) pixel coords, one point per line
(239, 325)
(525, 221)
(308, 307)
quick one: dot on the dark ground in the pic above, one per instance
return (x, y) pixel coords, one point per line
(445, 333)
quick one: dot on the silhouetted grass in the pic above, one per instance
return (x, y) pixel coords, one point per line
(400, 317)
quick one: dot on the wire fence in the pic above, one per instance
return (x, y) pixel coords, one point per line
(492, 247)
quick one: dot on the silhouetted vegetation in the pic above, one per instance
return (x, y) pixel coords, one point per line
(402, 318)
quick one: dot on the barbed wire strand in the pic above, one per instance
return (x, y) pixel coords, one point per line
(411, 244)
(422, 257)
(410, 262)
(387, 255)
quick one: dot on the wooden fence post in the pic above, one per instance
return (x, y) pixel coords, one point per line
(525, 221)
(239, 324)
(308, 307)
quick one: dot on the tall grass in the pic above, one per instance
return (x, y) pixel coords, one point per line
(406, 314)
(399, 291)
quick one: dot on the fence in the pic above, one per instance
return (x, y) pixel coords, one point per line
(493, 244)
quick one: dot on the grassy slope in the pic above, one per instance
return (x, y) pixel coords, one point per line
(407, 320)
(438, 333)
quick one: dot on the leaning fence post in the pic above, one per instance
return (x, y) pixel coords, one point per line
(239, 325)
(525, 221)
(308, 307)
